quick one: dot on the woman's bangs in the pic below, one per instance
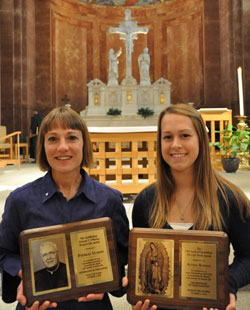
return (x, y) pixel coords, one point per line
(65, 121)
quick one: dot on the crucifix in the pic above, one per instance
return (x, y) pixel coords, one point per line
(65, 99)
(128, 31)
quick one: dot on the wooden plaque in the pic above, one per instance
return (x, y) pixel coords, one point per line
(85, 256)
(178, 269)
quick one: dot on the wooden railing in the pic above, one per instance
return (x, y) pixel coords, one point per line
(216, 119)
(126, 160)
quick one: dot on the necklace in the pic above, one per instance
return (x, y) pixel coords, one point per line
(52, 271)
(182, 213)
(182, 217)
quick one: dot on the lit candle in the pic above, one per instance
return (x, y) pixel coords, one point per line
(239, 70)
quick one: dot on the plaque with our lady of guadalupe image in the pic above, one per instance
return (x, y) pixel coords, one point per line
(155, 263)
(178, 269)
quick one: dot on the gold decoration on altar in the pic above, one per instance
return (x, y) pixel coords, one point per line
(162, 98)
(129, 97)
(96, 100)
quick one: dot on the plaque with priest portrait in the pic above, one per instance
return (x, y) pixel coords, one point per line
(70, 260)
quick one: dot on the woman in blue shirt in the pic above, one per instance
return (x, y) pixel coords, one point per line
(65, 194)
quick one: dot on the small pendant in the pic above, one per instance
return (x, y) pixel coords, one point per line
(182, 217)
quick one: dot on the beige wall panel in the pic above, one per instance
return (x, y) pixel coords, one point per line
(184, 52)
(70, 62)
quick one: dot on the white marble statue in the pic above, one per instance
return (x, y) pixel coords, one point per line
(128, 31)
(113, 66)
(125, 94)
(144, 66)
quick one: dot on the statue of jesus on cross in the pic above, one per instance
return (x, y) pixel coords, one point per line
(128, 31)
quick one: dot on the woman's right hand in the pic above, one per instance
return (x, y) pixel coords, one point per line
(139, 305)
(144, 305)
(22, 299)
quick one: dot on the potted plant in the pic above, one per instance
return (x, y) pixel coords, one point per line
(234, 141)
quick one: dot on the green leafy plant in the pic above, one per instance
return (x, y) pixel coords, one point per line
(145, 112)
(234, 141)
(113, 111)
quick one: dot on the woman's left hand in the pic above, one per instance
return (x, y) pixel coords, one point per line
(230, 306)
(35, 306)
(91, 297)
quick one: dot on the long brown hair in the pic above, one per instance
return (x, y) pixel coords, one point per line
(66, 118)
(207, 180)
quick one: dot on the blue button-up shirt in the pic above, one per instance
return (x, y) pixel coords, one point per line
(40, 203)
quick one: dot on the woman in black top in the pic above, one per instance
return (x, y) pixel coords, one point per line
(189, 193)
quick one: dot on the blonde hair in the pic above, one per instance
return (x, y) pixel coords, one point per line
(207, 180)
(66, 118)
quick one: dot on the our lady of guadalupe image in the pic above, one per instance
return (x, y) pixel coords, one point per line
(154, 270)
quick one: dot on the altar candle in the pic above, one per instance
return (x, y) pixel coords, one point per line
(239, 70)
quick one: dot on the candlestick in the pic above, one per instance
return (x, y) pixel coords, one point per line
(244, 155)
(242, 125)
(239, 70)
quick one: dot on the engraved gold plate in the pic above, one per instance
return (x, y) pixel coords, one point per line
(198, 269)
(91, 257)
(178, 269)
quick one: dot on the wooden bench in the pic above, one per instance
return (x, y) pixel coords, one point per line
(6, 147)
(25, 153)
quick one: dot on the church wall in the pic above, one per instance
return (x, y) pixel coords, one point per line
(212, 56)
(7, 95)
(42, 57)
(81, 43)
(71, 57)
(226, 41)
(29, 69)
(184, 57)
(197, 45)
(246, 55)
(16, 65)
(234, 51)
